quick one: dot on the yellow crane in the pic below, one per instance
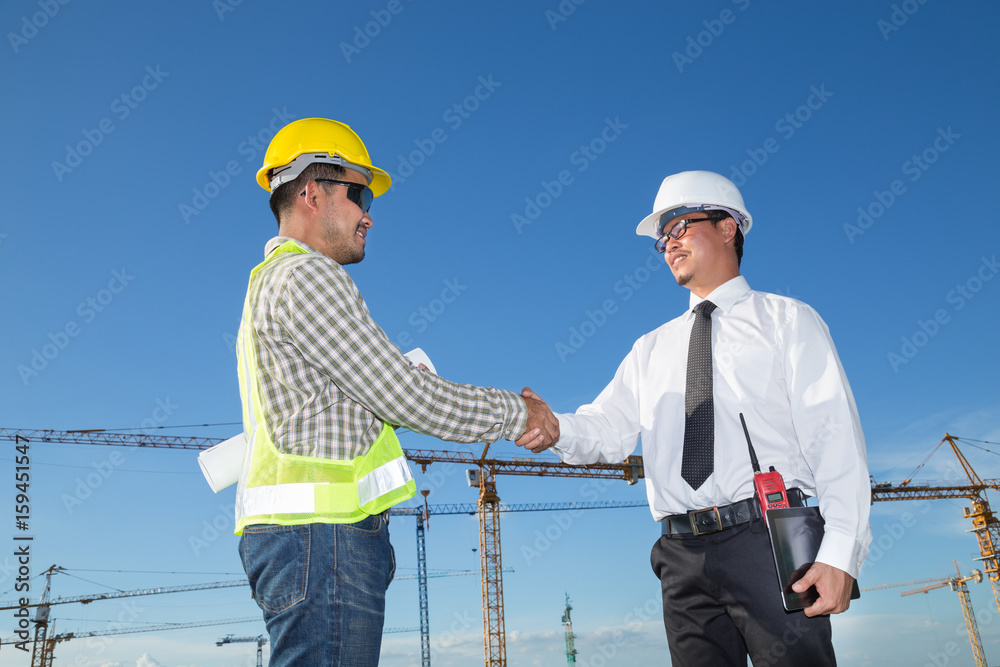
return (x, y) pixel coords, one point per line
(484, 476)
(423, 514)
(984, 523)
(957, 584)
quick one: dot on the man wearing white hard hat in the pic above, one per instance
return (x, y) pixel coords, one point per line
(322, 388)
(682, 390)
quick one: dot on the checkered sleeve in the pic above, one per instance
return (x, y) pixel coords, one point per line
(334, 331)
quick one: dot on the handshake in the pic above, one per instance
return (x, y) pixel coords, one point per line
(543, 428)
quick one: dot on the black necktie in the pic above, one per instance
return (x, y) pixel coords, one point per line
(699, 410)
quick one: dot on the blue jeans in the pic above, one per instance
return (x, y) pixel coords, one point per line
(322, 589)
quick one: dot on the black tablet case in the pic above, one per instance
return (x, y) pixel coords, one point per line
(796, 533)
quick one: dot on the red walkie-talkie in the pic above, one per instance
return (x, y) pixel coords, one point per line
(770, 487)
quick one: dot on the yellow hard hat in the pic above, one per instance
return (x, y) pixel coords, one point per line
(302, 142)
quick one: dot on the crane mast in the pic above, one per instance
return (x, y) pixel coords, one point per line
(958, 585)
(568, 625)
(260, 639)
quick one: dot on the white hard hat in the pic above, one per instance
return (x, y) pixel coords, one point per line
(691, 191)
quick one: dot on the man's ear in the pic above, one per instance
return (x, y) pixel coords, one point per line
(313, 193)
(729, 227)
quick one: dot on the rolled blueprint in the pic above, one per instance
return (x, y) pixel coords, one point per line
(222, 464)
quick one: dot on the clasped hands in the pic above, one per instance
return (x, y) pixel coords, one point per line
(543, 428)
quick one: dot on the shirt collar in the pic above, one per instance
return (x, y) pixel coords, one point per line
(278, 240)
(725, 295)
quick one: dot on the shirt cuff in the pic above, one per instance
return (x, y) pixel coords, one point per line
(567, 435)
(517, 410)
(843, 552)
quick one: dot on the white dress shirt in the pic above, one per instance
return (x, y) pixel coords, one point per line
(775, 362)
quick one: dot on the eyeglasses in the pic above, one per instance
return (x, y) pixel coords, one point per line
(358, 193)
(677, 231)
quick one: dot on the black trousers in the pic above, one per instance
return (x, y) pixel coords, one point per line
(721, 602)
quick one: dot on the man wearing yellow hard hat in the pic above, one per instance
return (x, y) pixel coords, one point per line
(322, 388)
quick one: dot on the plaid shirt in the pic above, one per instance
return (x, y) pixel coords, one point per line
(329, 376)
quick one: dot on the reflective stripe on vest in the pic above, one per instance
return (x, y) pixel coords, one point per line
(287, 489)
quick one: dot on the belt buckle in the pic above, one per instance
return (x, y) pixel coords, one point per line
(693, 518)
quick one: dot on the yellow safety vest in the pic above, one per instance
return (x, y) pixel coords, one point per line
(288, 489)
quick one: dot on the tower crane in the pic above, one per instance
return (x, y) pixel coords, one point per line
(38, 658)
(568, 625)
(422, 515)
(484, 476)
(41, 653)
(487, 469)
(984, 523)
(260, 639)
(46, 653)
(957, 584)
(882, 587)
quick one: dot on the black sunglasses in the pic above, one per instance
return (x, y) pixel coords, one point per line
(358, 193)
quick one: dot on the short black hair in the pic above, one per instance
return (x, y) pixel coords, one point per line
(283, 197)
(718, 216)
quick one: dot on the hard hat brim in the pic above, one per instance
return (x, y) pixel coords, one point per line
(380, 179)
(651, 223)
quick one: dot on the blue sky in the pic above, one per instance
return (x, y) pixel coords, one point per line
(526, 141)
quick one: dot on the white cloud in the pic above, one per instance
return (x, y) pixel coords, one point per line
(147, 660)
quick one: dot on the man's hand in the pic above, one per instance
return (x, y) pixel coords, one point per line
(543, 427)
(833, 586)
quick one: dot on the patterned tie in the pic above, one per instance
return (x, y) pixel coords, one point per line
(699, 410)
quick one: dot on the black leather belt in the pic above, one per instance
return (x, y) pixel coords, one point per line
(714, 519)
